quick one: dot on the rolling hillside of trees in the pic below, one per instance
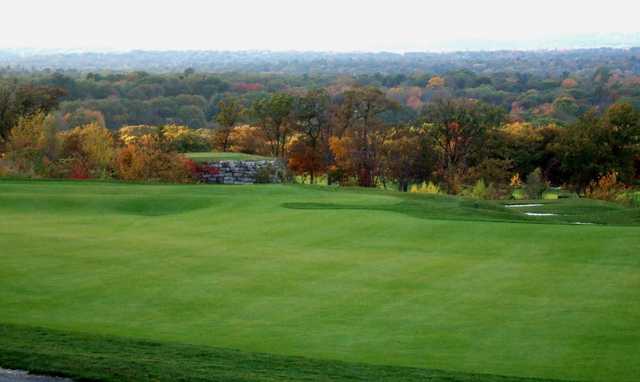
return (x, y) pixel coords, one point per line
(186, 87)
(543, 62)
(562, 118)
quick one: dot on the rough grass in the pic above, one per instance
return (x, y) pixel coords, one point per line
(105, 358)
(442, 207)
(355, 276)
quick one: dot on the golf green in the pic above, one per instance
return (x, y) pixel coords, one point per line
(359, 276)
(218, 155)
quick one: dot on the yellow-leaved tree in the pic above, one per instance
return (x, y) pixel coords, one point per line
(132, 134)
(99, 146)
(88, 151)
(32, 145)
(435, 82)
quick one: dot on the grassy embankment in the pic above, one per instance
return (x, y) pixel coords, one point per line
(157, 282)
(215, 156)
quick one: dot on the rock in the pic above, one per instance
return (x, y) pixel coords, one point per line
(240, 172)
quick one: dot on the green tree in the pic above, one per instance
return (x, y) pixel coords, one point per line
(458, 129)
(312, 122)
(33, 144)
(273, 116)
(19, 101)
(360, 117)
(535, 184)
(192, 116)
(597, 145)
(83, 116)
(406, 157)
(229, 114)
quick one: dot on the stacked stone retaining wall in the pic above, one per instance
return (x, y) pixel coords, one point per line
(242, 171)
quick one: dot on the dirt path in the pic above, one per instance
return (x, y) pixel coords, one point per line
(23, 376)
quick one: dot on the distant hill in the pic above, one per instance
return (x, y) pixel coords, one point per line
(533, 61)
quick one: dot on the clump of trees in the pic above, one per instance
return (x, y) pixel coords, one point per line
(150, 159)
(535, 87)
(19, 100)
(352, 135)
(36, 148)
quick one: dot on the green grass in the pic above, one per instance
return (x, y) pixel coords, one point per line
(93, 357)
(153, 277)
(216, 156)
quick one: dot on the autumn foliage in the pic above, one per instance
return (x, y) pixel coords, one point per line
(138, 153)
(150, 161)
(606, 187)
(348, 134)
(304, 160)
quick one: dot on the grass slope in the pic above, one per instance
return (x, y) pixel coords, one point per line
(215, 156)
(91, 357)
(357, 276)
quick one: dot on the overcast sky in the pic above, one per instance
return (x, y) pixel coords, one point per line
(327, 25)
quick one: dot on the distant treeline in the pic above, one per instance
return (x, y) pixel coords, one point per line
(553, 62)
(538, 87)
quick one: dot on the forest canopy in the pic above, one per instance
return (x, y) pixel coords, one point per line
(187, 87)
(477, 123)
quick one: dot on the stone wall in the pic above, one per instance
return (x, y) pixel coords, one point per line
(241, 171)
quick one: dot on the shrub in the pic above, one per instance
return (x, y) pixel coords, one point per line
(148, 161)
(248, 139)
(60, 168)
(79, 170)
(425, 188)
(175, 169)
(630, 198)
(495, 171)
(335, 175)
(515, 181)
(183, 139)
(132, 134)
(5, 170)
(634, 199)
(33, 143)
(265, 174)
(495, 192)
(479, 190)
(491, 191)
(609, 188)
(518, 194)
(606, 187)
(535, 184)
(90, 147)
(98, 146)
(132, 163)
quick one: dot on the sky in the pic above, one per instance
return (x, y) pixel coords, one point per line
(310, 25)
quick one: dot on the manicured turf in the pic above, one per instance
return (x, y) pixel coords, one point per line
(215, 156)
(349, 275)
(92, 357)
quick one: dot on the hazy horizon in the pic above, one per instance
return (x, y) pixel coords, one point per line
(331, 26)
(558, 44)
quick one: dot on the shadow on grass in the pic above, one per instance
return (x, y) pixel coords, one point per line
(138, 205)
(439, 209)
(460, 209)
(87, 357)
